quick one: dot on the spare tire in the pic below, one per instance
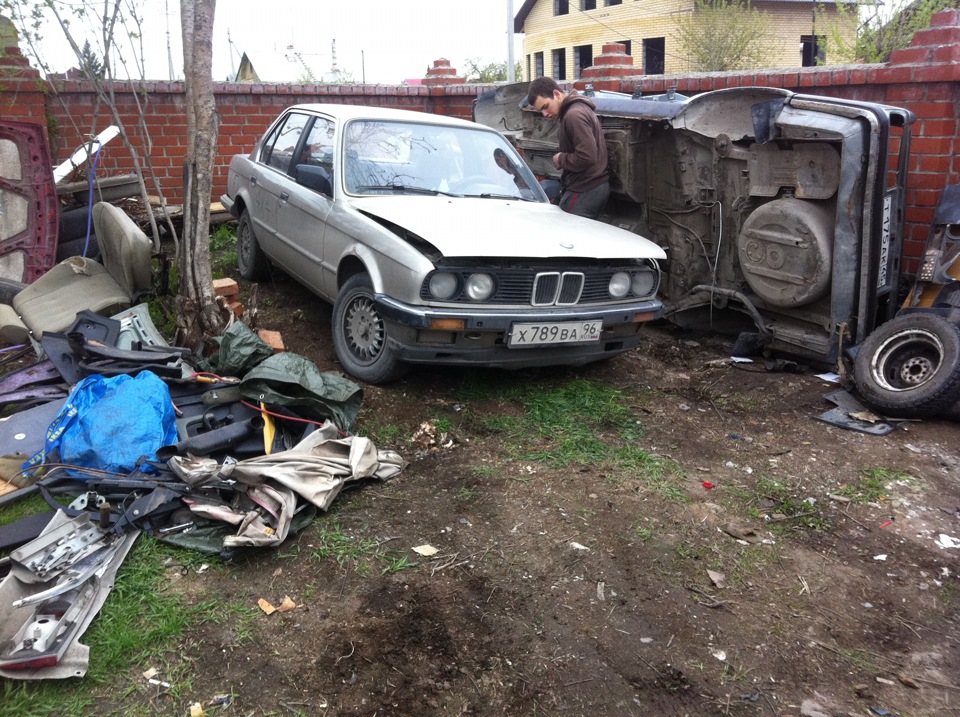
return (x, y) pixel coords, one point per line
(909, 367)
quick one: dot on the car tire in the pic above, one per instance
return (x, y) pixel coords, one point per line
(360, 334)
(251, 261)
(909, 367)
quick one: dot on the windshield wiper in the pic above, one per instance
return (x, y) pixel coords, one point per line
(489, 195)
(404, 188)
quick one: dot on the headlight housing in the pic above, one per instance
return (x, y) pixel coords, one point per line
(644, 282)
(443, 285)
(479, 287)
(619, 285)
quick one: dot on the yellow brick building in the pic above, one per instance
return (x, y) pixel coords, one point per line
(562, 37)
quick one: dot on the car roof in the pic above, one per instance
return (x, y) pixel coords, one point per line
(351, 112)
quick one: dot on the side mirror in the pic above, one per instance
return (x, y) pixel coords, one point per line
(315, 178)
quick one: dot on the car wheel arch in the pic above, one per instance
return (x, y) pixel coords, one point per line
(359, 261)
(239, 204)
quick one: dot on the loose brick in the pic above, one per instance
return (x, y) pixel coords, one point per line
(273, 339)
(227, 288)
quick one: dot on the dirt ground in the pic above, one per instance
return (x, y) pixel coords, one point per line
(574, 591)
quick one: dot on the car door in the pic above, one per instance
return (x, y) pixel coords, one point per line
(302, 211)
(28, 205)
(271, 185)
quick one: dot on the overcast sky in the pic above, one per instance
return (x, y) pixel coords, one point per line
(377, 41)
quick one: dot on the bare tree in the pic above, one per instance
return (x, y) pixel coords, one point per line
(724, 35)
(116, 18)
(198, 315)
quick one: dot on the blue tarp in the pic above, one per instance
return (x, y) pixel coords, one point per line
(111, 424)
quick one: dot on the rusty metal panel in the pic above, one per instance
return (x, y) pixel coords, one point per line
(29, 212)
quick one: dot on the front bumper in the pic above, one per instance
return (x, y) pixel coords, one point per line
(228, 203)
(482, 340)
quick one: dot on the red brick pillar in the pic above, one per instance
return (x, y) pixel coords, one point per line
(21, 89)
(607, 69)
(925, 78)
(442, 74)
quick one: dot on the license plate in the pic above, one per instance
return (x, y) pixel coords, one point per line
(560, 332)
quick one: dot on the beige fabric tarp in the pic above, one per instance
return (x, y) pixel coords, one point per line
(316, 469)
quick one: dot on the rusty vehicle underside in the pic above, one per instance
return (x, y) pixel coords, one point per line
(781, 214)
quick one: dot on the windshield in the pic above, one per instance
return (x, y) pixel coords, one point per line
(403, 157)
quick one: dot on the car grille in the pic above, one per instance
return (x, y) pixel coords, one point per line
(541, 288)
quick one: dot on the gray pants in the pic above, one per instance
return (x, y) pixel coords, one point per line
(586, 204)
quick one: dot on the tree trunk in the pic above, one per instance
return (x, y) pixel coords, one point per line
(198, 316)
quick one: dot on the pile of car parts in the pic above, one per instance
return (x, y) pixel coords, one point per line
(254, 457)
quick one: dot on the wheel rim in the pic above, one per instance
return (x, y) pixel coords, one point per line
(364, 330)
(243, 244)
(907, 360)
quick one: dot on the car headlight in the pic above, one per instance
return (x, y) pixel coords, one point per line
(443, 285)
(479, 287)
(644, 282)
(619, 285)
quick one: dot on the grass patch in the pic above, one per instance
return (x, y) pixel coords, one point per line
(466, 494)
(753, 559)
(382, 434)
(140, 622)
(789, 511)
(872, 487)
(365, 556)
(31, 505)
(485, 471)
(574, 422)
(223, 250)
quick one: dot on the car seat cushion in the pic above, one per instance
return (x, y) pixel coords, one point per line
(125, 249)
(51, 302)
(12, 329)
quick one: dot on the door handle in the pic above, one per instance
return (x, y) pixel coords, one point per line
(253, 179)
(284, 196)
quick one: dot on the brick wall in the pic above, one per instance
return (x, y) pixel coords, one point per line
(924, 78)
(245, 111)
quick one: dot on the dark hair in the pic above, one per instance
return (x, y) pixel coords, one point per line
(541, 87)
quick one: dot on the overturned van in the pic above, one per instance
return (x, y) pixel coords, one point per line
(781, 214)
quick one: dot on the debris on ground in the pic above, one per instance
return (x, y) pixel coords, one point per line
(220, 454)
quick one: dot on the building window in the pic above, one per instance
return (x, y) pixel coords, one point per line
(627, 45)
(538, 64)
(608, 3)
(588, 4)
(560, 64)
(582, 58)
(813, 50)
(653, 51)
(561, 7)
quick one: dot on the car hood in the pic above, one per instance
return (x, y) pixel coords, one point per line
(471, 226)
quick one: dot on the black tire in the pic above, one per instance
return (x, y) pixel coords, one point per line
(251, 261)
(75, 247)
(910, 367)
(360, 334)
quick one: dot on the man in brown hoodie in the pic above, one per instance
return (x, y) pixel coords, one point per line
(583, 151)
